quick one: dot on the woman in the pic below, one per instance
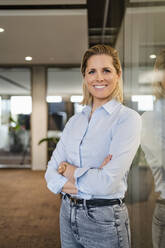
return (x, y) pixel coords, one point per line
(153, 145)
(93, 157)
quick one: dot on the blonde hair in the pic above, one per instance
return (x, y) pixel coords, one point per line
(98, 50)
(159, 68)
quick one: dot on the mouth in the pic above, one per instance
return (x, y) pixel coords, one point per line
(99, 86)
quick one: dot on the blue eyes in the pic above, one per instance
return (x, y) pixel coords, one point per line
(104, 71)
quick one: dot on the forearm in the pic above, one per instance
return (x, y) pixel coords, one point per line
(68, 170)
(69, 188)
(103, 181)
(54, 180)
(123, 147)
(69, 174)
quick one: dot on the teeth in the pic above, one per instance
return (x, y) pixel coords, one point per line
(99, 86)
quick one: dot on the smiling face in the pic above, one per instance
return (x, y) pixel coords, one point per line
(101, 78)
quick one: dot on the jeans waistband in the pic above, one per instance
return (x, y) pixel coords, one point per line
(94, 202)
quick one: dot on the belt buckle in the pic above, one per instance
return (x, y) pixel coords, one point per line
(75, 201)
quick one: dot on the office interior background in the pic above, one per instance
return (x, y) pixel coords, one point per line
(41, 45)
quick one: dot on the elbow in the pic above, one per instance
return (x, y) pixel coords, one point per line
(97, 184)
(46, 176)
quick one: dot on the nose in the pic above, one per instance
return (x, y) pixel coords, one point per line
(99, 76)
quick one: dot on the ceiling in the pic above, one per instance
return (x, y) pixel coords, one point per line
(57, 32)
(145, 1)
(15, 81)
(141, 35)
(54, 33)
(145, 27)
(41, 2)
(60, 81)
(49, 36)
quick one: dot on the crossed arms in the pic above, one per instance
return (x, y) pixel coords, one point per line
(69, 187)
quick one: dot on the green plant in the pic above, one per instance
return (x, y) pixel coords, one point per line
(52, 142)
(15, 129)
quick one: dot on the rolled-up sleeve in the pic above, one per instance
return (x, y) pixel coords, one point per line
(123, 147)
(55, 181)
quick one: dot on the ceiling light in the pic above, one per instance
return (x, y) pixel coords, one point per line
(54, 98)
(152, 56)
(28, 58)
(2, 30)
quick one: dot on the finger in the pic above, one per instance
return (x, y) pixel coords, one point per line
(106, 160)
(110, 156)
(65, 163)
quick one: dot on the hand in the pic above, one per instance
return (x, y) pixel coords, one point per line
(106, 160)
(69, 188)
(69, 171)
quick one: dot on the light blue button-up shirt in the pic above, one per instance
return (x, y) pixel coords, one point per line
(113, 129)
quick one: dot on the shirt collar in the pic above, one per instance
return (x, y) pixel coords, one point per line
(86, 110)
(109, 107)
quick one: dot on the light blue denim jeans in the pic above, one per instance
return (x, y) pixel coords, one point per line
(158, 226)
(83, 226)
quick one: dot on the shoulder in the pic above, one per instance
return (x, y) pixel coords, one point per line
(128, 123)
(74, 120)
(128, 114)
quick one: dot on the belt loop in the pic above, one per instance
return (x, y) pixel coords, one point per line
(121, 202)
(84, 204)
(64, 196)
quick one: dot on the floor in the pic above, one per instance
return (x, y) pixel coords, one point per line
(29, 213)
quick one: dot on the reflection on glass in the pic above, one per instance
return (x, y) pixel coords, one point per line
(57, 116)
(141, 37)
(153, 144)
(15, 110)
(63, 94)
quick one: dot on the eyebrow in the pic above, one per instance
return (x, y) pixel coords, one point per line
(107, 67)
(92, 68)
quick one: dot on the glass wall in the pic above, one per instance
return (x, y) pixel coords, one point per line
(141, 42)
(64, 92)
(15, 110)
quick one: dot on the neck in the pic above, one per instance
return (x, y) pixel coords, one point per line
(97, 104)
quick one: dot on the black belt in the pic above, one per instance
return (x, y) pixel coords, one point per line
(94, 202)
